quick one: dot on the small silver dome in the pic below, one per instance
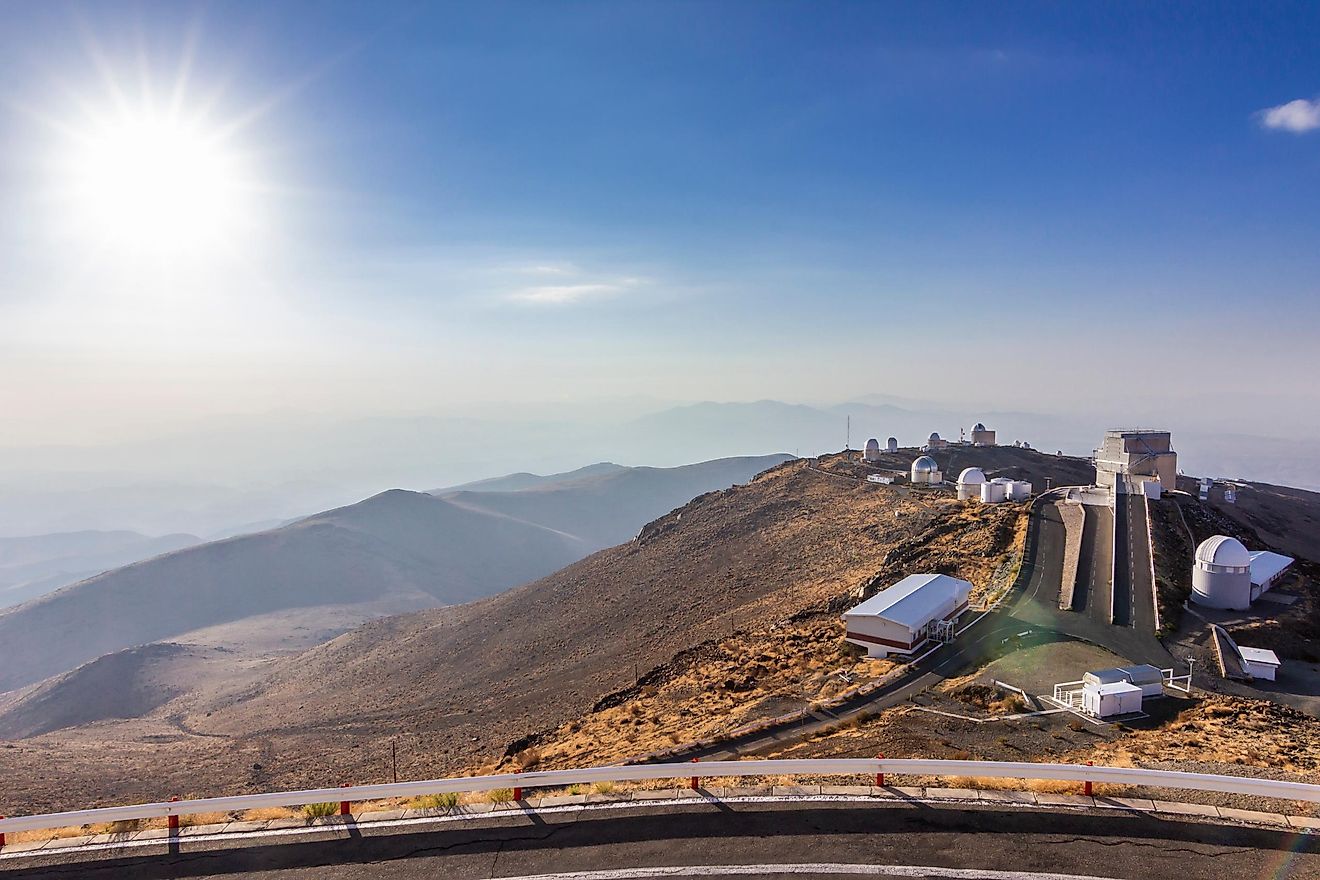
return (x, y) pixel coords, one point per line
(924, 465)
(979, 427)
(934, 436)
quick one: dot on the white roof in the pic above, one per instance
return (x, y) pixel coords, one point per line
(1116, 687)
(1266, 565)
(1259, 655)
(916, 599)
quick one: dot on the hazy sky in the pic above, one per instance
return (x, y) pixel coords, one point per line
(368, 208)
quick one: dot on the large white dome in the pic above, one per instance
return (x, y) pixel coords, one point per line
(1223, 550)
(971, 475)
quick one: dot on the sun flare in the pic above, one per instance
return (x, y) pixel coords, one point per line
(147, 184)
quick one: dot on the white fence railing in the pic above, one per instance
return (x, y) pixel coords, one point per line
(1170, 779)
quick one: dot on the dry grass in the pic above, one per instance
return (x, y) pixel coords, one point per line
(267, 814)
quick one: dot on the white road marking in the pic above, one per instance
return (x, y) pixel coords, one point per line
(918, 871)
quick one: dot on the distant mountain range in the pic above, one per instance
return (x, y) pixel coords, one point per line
(39, 564)
(243, 474)
(393, 552)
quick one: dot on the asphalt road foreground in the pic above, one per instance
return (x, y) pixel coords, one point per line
(740, 838)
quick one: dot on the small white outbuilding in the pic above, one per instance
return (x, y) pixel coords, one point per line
(1110, 699)
(904, 617)
(1259, 662)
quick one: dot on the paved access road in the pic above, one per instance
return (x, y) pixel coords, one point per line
(768, 839)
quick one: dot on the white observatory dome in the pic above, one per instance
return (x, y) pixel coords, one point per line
(872, 451)
(1221, 577)
(971, 475)
(1223, 551)
(979, 427)
(934, 435)
(925, 465)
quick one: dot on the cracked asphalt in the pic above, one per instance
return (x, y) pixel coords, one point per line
(817, 838)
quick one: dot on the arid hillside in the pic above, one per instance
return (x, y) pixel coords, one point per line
(464, 686)
(397, 551)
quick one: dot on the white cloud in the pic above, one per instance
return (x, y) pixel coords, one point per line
(557, 294)
(571, 286)
(1296, 116)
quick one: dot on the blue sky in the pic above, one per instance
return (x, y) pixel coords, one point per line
(808, 201)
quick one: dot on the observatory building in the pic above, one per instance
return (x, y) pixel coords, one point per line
(982, 436)
(1136, 457)
(1227, 575)
(904, 617)
(934, 441)
(969, 483)
(1221, 577)
(872, 450)
(892, 444)
(926, 470)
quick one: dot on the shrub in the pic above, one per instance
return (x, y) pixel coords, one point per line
(319, 811)
(604, 787)
(443, 801)
(500, 795)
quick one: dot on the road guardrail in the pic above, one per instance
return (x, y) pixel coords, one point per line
(878, 767)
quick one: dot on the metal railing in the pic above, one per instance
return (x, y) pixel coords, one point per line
(692, 772)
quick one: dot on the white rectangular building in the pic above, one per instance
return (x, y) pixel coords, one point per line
(907, 615)
(1259, 662)
(1266, 569)
(1110, 698)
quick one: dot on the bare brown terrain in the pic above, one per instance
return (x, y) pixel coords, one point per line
(459, 686)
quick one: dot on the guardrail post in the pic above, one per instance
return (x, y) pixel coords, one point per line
(1087, 784)
(172, 821)
(880, 777)
(2, 837)
(695, 782)
(345, 807)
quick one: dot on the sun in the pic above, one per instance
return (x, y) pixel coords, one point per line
(145, 183)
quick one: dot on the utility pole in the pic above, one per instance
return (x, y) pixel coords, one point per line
(847, 443)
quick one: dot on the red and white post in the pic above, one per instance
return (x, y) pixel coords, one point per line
(880, 777)
(172, 820)
(345, 807)
(695, 782)
(1086, 786)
